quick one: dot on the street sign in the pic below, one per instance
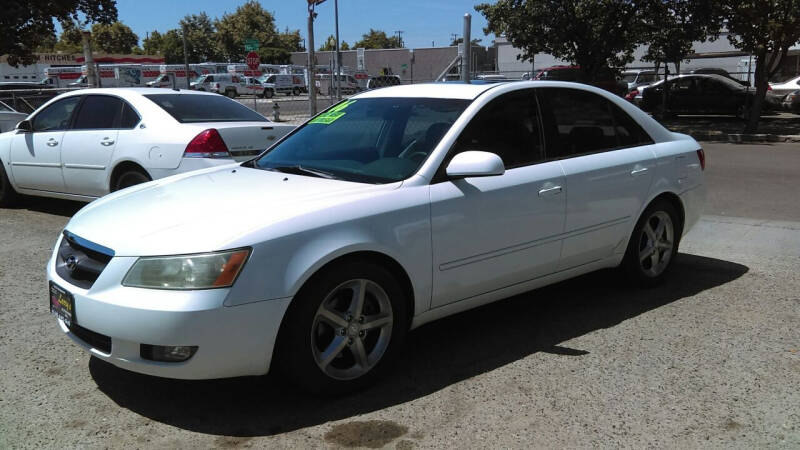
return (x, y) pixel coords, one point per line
(252, 60)
(251, 45)
(360, 58)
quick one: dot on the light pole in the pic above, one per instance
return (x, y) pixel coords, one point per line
(185, 57)
(338, 56)
(312, 85)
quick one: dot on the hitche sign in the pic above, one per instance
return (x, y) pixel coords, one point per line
(252, 60)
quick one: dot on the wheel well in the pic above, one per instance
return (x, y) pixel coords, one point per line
(386, 262)
(676, 202)
(123, 167)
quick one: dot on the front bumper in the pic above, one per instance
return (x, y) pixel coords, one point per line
(232, 340)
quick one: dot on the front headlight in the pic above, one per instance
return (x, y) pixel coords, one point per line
(201, 271)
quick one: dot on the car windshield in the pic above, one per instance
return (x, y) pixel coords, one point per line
(371, 140)
(199, 79)
(629, 77)
(192, 108)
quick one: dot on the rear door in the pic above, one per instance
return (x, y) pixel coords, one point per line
(35, 157)
(88, 147)
(607, 159)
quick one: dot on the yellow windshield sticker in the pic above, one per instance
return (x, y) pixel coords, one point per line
(332, 115)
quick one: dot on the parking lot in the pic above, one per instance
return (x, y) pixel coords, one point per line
(710, 358)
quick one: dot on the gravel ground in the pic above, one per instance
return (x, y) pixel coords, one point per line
(711, 359)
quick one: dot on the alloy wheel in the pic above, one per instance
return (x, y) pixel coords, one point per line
(352, 329)
(656, 243)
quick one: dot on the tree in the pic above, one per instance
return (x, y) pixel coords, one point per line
(201, 44)
(672, 26)
(113, 38)
(766, 29)
(69, 41)
(593, 34)
(377, 39)
(461, 39)
(330, 45)
(249, 21)
(153, 43)
(25, 25)
(290, 40)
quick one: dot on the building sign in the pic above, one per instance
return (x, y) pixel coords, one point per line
(76, 59)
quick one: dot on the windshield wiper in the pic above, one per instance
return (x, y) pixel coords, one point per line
(300, 170)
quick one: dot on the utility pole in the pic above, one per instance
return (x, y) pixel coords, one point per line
(454, 37)
(338, 55)
(312, 85)
(185, 57)
(91, 74)
(467, 58)
(400, 37)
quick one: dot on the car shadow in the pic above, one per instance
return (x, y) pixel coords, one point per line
(59, 207)
(437, 355)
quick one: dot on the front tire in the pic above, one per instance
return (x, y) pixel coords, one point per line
(343, 328)
(267, 93)
(230, 93)
(130, 178)
(296, 92)
(653, 244)
(8, 196)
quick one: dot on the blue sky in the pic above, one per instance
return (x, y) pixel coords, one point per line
(422, 22)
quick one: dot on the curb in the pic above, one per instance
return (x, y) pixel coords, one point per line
(743, 138)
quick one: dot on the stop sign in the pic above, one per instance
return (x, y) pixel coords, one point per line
(252, 60)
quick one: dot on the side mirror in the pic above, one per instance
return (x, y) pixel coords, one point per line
(25, 126)
(475, 164)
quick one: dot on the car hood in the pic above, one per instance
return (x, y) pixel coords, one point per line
(208, 210)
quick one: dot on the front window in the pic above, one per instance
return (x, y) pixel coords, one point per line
(372, 140)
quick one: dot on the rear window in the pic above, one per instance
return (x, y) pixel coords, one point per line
(192, 108)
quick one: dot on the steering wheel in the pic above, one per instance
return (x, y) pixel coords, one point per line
(407, 148)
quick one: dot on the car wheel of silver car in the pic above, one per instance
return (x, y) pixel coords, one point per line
(267, 93)
(654, 244)
(231, 93)
(8, 196)
(342, 328)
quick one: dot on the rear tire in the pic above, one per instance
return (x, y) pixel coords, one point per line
(333, 340)
(130, 178)
(8, 196)
(653, 244)
(296, 92)
(231, 93)
(267, 93)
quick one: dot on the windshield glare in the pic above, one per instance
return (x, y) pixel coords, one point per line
(372, 140)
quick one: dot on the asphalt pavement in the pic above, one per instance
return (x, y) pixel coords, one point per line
(709, 359)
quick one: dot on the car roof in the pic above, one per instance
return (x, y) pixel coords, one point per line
(127, 92)
(431, 90)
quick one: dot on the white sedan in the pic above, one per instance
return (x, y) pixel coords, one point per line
(391, 209)
(786, 87)
(84, 144)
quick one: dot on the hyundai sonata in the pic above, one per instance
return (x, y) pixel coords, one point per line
(391, 209)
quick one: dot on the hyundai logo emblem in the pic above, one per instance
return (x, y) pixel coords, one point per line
(71, 262)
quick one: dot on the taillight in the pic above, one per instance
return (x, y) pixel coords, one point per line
(207, 144)
(701, 155)
(632, 94)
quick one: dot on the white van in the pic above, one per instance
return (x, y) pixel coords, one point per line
(285, 83)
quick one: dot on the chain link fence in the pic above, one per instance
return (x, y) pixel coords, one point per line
(27, 100)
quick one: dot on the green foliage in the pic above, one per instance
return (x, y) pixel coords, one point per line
(153, 43)
(25, 25)
(113, 38)
(249, 21)
(765, 29)
(200, 39)
(290, 40)
(69, 41)
(590, 33)
(461, 39)
(671, 26)
(377, 39)
(330, 45)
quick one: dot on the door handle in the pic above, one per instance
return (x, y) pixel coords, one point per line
(553, 190)
(52, 143)
(107, 142)
(638, 171)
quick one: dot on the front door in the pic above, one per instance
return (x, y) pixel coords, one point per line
(35, 157)
(493, 232)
